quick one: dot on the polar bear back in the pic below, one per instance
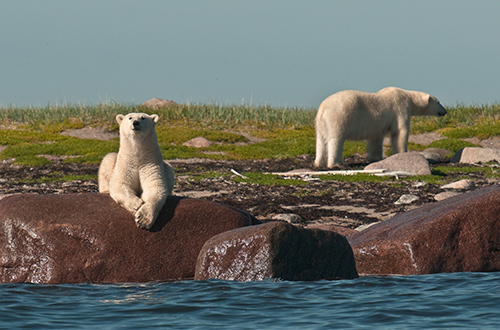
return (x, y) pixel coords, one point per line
(360, 115)
(371, 113)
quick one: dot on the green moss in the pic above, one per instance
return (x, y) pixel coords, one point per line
(287, 144)
(88, 151)
(359, 177)
(451, 144)
(484, 131)
(58, 177)
(269, 180)
(180, 134)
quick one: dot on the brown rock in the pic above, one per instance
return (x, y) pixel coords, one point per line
(458, 234)
(89, 238)
(276, 250)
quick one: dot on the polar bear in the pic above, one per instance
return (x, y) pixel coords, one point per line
(136, 177)
(355, 115)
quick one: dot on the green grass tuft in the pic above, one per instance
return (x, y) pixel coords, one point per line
(451, 144)
(269, 180)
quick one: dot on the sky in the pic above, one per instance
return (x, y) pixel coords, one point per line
(282, 53)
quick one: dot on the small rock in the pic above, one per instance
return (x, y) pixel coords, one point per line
(460, 185)
(406, 199)
(444, 153)
(474, 155)
(445, 195)
(198, 142)
(411, 162)
(288, 217)
(363, 227)
(432, 157)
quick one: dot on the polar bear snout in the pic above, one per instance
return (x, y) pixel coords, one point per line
(136, 125)
(441, 110)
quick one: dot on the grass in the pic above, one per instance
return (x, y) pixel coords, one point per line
(288, 132)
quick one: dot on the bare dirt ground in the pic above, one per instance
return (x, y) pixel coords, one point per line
(348, 204)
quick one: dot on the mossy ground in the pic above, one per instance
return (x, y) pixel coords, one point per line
(29, 134)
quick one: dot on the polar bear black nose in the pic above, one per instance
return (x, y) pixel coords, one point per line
(136, 124)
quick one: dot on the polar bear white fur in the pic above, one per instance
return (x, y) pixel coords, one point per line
(355, 115)
(136, 177)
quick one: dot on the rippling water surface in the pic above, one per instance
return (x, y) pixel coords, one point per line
(461, 300)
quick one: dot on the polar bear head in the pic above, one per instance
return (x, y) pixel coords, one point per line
(136, 123)
(427, 105)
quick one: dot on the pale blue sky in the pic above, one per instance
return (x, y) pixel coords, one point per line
(278, 52)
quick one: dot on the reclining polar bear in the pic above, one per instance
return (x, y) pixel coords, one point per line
(354, 115)
(136, 177)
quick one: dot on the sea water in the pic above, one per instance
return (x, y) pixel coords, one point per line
(441, 301)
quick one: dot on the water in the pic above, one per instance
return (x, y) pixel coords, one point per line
(442, 301)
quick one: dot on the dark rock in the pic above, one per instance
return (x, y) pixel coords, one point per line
(276, 250)
(458, 234)
(89, 238)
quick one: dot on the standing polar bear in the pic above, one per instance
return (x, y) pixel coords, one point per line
(354, 115)
(136, 177)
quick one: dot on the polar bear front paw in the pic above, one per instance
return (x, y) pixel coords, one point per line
(144, 218)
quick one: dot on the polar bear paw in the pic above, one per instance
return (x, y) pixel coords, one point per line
(144, 217)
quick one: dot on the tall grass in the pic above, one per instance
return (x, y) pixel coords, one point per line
(461, 120)
(201, 115)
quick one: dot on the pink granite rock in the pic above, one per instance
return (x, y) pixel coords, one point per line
(89, 238)
(276, 250)
(458, 234)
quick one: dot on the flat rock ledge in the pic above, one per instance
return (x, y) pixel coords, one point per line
(79, 238)
(458, 234)
(276, 250)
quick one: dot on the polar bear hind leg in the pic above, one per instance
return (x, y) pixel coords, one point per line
(374, 149)
(321, 151)
(399, 140)
(335, 146)
(105, 170)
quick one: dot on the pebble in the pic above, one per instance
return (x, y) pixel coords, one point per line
(406, 199)
(288, 217)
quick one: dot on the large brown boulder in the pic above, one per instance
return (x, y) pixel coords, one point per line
(277, 250)
(458, 234)
(89, 238)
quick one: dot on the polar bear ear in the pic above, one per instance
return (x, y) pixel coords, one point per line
(155, 118)
(119, 119)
